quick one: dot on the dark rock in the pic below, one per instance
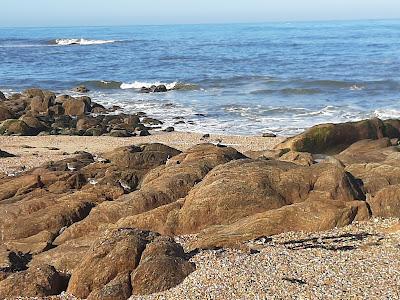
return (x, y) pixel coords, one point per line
(169, 129)
(6, 154)
(268, 134)
(2, 96)
(119, 133)
(151, 121)
(80, 89)
(160, 89)
(144, 133)
(98, 108)
(5, 114)
(16, 127)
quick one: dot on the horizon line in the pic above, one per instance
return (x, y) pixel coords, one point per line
(205, 23)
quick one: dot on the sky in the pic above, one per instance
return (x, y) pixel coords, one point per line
(131, 12)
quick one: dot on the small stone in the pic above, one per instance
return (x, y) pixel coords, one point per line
(169, 129)
(268, 135)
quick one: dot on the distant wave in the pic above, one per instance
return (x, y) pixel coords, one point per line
(170, 86)
(82, 42)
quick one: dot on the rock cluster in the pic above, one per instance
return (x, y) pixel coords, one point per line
(37, 111)
(101, 227)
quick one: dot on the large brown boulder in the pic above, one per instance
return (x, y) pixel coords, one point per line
(386, 202)
(241, 188)
(162, 185)
(333, 138)
(368, 151)
(163, 266)
(16, 127)
(34, 123)
(76, 107)
(377, 175)
(40, 105)
(38, 281)
(309, 216)
(5, 114)
(115, 253)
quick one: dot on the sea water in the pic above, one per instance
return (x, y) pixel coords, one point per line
(227, 78)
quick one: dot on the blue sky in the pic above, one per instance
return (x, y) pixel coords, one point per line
(126, 12)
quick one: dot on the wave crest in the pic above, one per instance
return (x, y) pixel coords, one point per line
(82, 42)
(170, 86)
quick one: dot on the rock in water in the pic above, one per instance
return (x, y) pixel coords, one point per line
(81, 89)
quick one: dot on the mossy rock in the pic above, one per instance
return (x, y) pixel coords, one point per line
(16, 127)
(333, 138)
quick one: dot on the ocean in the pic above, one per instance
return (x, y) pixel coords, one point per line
(230, 78)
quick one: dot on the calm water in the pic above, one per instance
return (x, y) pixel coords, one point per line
(234, 79)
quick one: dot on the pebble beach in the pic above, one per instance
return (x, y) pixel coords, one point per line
(360, 261)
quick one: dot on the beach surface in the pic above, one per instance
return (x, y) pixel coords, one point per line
(34, 151)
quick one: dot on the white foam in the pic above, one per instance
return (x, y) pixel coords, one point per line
(66, 42)
(140, 84)
(356, 87)
(387, 113)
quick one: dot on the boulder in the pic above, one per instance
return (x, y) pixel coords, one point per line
(98, 109)
(367, 151)
(41, 104)
(386, 202)
(80, 89)
(2, 96)
(34, 123)
(160, 89)
(86, 122)
(76, 107)
(246, 187)
(16, 127)
(117, 289)
(333, 138)
(114, 253)
(151, 121)
(163, 266)
(162, 185)
(38, 281)
(309, 216)
(5, 114)
(300, 158)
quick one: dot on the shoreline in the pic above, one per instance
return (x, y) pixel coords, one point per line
(33, 151)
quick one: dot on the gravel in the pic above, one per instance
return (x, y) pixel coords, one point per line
(360, 261)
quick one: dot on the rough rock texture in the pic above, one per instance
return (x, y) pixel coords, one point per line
(37, 111)
(163, 265)
(35, 282)
(113, 254)
(98, 218)
(5, 114)
(332, 138)
(162, 185)
(309, 216)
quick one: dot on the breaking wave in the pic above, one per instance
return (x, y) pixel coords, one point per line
(170, 86)
(82, 42)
